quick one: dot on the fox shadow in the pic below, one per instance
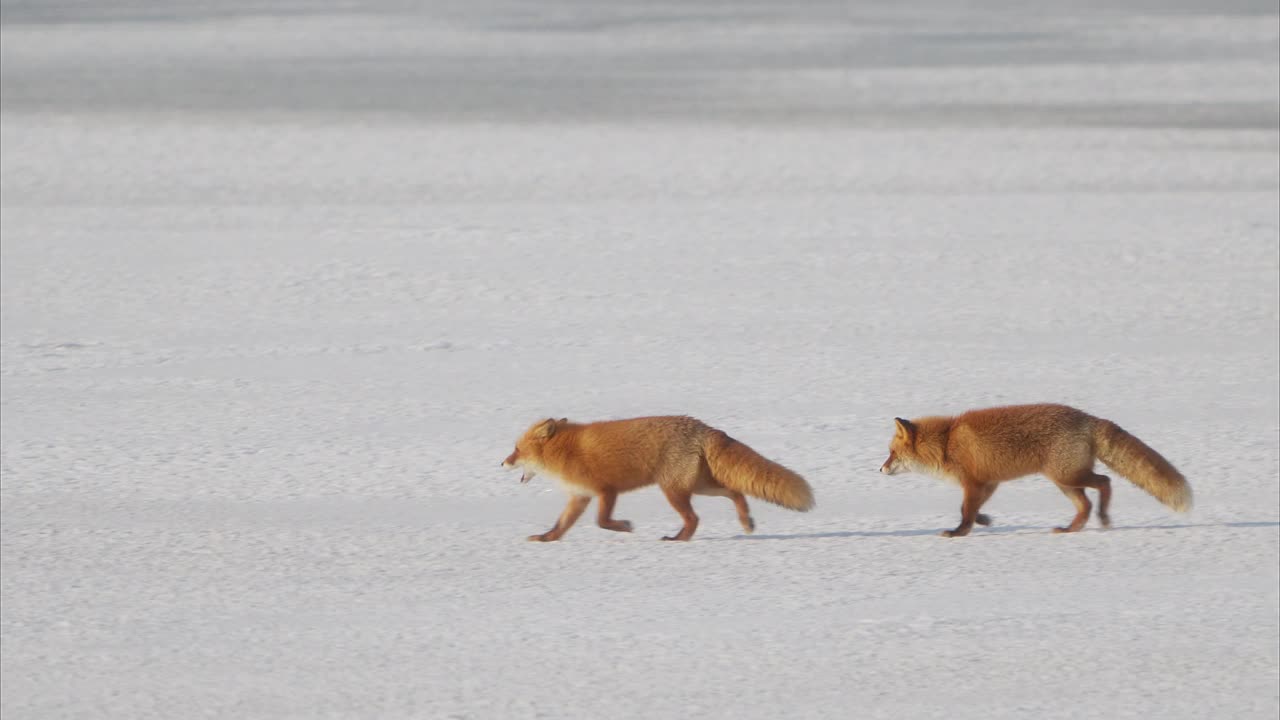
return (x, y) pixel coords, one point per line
(1241, 524)
(994, 530)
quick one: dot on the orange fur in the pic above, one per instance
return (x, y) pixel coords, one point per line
(980, 449)
(684, 456)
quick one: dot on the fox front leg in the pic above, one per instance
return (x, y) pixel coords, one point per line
(572, 511)
(974, 497)
(604, 512)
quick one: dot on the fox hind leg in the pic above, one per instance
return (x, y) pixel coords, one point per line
(1083, 507)
(1090, 479)
(744, 512)
(1102, 484)
(707, 485)
(682, 501)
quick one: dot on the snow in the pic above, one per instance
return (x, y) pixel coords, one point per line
(282, 284)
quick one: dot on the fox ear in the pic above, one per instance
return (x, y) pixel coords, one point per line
(905, 428)
(562, 421)
(545, 429)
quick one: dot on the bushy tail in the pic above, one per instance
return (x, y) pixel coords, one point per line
(1141, 465)
(740, 468)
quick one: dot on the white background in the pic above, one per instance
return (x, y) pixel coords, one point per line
(282, 284)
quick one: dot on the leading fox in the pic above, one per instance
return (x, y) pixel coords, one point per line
(980, 449)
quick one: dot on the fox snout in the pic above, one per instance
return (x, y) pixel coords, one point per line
(510, 461)
(513, 460)
(891, 465)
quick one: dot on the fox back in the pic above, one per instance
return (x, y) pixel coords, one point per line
(620, 454)
(994, 444)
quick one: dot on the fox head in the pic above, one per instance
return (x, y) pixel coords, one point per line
(902, 451)
(528, 452)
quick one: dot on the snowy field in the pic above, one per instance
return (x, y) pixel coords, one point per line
(282, 283)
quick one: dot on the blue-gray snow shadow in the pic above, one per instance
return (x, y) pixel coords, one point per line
(881, 533)
(1241, 524)
(993, 530)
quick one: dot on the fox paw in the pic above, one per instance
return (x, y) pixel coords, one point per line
(749, 526)
(545, 537)
(1062, 530)
(953, 533)
(674, 538)
(1105, 521)
(983, 519)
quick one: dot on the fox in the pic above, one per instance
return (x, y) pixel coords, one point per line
(682, 455)
(982, 448)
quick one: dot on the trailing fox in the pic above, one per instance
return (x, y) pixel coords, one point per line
(980, 449)
(684, 456)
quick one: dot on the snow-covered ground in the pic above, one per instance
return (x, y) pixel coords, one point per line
(283, 282)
